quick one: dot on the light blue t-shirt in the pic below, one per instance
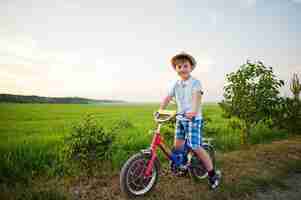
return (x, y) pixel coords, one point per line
(182, 91)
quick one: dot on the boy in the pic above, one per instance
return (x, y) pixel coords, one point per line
(188, 92)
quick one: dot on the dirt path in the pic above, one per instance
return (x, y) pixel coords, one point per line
(244, 172)
(292, 193)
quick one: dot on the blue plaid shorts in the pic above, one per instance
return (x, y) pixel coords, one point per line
(192, 130)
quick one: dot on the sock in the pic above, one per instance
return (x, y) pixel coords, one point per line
(211, 173)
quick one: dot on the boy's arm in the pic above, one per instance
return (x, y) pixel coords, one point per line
(196, 101)
(165, 102)
(168, 98)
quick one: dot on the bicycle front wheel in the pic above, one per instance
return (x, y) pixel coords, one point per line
(132, 180)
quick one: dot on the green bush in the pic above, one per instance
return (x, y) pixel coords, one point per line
(251, 94)
(88, 141)
(288, 115)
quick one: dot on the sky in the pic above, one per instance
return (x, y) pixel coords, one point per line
(121, 50)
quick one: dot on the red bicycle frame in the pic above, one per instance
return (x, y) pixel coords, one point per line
(158, 141)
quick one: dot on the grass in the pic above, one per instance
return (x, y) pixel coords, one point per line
(245, 172)
(22, 192)
(32, 134)
(27, 160)
(28, 194)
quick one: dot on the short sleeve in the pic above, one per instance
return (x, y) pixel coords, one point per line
(171, 89)
(197, 87)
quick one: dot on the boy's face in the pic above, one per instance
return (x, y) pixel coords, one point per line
(183, 68)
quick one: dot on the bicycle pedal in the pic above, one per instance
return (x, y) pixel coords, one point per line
(180, 173)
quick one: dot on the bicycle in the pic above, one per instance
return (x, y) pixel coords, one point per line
(140, 172)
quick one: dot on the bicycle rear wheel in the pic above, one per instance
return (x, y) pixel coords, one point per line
(197, 170)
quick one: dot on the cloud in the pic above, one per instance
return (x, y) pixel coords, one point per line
(248, 3)
(296, 1)
(213, 18)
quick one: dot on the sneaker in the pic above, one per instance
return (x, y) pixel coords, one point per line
(215, 180)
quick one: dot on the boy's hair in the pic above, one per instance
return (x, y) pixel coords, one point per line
(181, 58)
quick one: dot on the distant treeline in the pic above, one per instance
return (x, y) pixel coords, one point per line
(11, 98)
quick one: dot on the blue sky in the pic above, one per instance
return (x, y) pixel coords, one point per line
(121, 49)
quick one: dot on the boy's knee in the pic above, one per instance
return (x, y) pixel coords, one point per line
(179, 143)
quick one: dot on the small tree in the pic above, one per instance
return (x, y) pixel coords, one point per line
(295, 86)
(88, 141)
(251, 94)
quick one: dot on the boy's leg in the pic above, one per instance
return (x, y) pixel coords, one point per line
(195, 140)
(204, 157)
(178, 143)
(179, 135)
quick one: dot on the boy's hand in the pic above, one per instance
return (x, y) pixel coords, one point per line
(190, 115)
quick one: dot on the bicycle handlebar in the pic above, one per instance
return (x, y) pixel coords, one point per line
(170, 114)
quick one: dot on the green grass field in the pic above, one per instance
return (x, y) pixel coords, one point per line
(31, 134)
(47, 123)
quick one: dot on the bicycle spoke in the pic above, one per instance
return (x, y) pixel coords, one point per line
(137, 175)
